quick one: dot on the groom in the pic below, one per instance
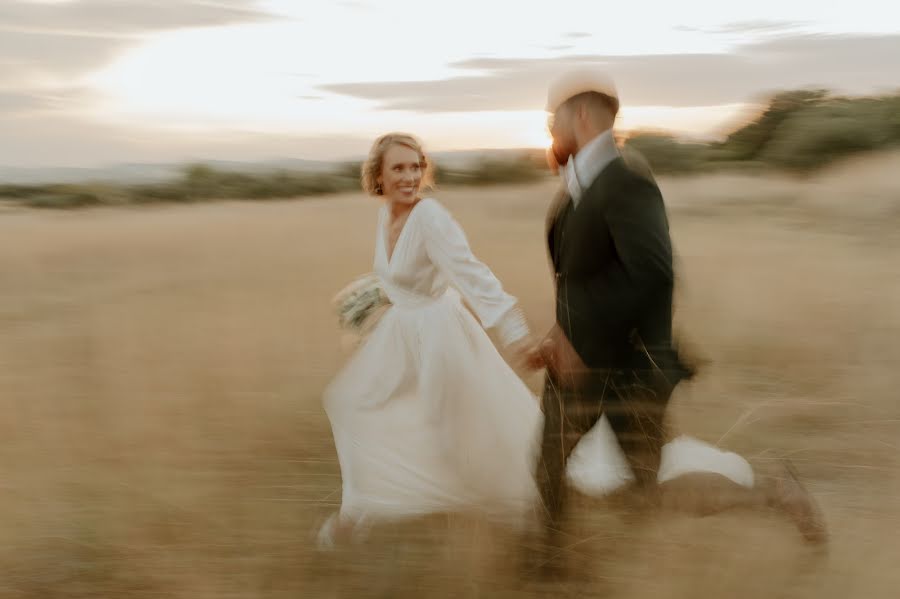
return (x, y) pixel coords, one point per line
(611, 350)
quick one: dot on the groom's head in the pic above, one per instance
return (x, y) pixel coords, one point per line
(582, 104)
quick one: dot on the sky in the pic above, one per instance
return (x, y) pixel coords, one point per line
(96, 82)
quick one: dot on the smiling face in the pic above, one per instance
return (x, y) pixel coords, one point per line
(401, 174)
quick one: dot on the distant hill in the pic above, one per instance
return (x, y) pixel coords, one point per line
(220, 180)
(799, 130)
(145, 173)
(135, 173)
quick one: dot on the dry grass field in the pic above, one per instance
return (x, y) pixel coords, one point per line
(161, 371)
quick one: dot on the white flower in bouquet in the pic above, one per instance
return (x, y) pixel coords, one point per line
(358, 302)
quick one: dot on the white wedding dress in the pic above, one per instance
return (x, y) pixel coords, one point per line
(428, 417)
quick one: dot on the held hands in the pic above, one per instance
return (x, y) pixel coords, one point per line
(522, 354)
(556, 353)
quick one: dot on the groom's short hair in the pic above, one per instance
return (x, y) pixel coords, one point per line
(583, 85)
(594, 101)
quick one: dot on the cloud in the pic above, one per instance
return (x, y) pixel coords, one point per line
(16, 102)
(51, 42)
(847, 63)
(755, 26)
(122, 16)
(39, 55)
(759, 26)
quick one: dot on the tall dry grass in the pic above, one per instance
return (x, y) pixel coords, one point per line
(161, 367)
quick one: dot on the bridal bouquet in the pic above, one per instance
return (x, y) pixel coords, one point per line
(358, 302)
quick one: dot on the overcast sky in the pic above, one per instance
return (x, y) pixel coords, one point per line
(90, 82)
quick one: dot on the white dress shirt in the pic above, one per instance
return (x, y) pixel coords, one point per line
(582, 169)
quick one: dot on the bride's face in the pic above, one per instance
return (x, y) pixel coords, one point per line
(401, 174)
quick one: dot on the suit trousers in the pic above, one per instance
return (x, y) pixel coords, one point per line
(635, 410)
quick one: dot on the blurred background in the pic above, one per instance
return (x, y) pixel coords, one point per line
(179, 201)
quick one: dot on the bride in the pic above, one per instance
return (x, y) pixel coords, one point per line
(427, 416)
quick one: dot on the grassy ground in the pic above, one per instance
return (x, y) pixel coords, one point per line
(161, 371)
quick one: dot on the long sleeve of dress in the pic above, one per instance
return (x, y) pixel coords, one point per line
(448, 248)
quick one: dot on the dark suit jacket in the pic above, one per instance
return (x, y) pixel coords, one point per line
(612, 256)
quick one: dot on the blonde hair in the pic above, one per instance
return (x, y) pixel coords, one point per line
(372, 167)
